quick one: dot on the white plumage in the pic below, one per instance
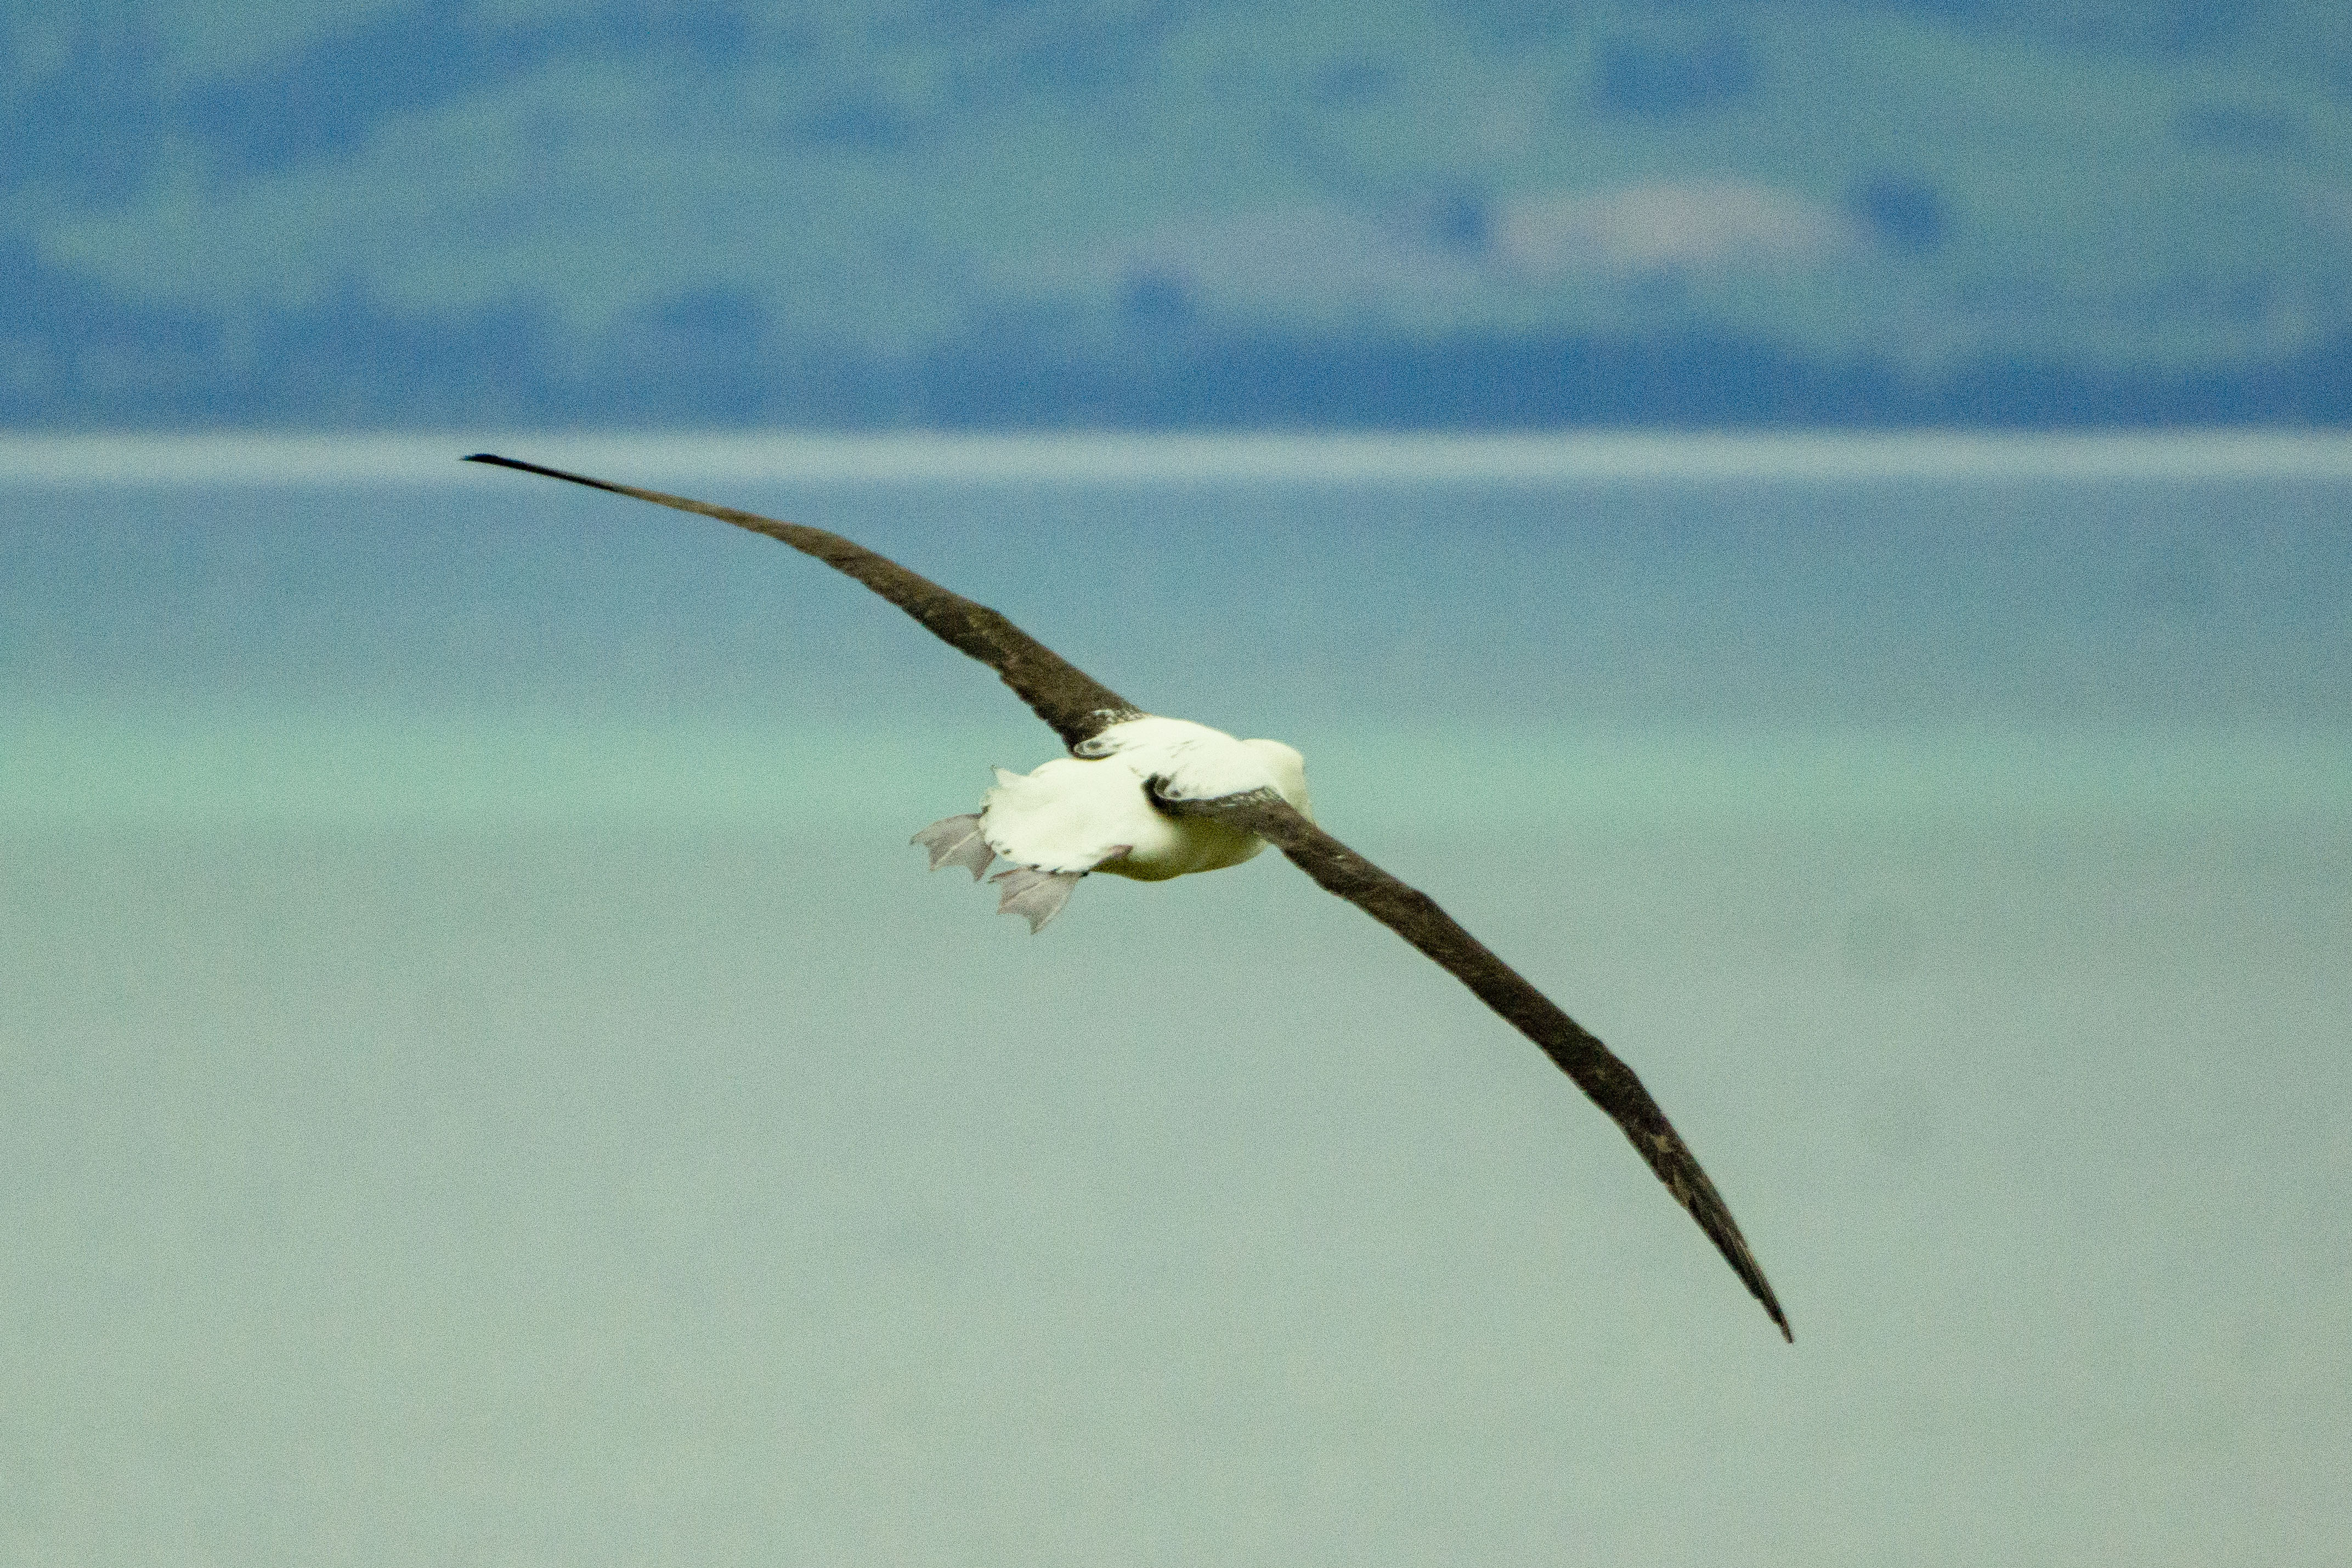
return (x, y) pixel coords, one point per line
(1091, 811)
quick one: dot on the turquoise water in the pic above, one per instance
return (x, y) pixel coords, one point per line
(484, 1079)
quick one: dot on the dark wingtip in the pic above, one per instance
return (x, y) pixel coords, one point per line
(519, 466)
(1753, 1278)
(1751, 1273)
(1671, 1158)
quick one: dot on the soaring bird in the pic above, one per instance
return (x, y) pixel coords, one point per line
(1151, 798)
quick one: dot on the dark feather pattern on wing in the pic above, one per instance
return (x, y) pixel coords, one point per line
(1074, 702)
(1415, 916)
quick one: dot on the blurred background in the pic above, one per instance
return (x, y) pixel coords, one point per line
(485, 1079)
(1187, 212)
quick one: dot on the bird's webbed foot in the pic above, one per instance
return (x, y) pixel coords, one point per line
(956, 841)
(1035, 896)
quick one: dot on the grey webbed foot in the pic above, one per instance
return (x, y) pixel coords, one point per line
(1035, 896)
(956, 841)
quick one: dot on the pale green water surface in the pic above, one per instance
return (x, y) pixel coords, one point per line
(484, 1079)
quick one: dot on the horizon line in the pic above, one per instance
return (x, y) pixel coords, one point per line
(1123, 457)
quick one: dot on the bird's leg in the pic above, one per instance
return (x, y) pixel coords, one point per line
(956, 841)
(1035, 896)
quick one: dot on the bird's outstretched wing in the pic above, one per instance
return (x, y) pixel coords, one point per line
(1075, 704)
(1415, 916)
(1078, 707)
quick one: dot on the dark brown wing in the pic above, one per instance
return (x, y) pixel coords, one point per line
(1415, 916)
(1075, 704)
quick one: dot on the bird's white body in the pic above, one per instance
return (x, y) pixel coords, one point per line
(1090, 812)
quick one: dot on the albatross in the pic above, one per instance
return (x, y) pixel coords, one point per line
(1148, 796)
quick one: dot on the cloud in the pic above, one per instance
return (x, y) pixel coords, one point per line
(1316, 258)
(1697, 225)
(1299, 257)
